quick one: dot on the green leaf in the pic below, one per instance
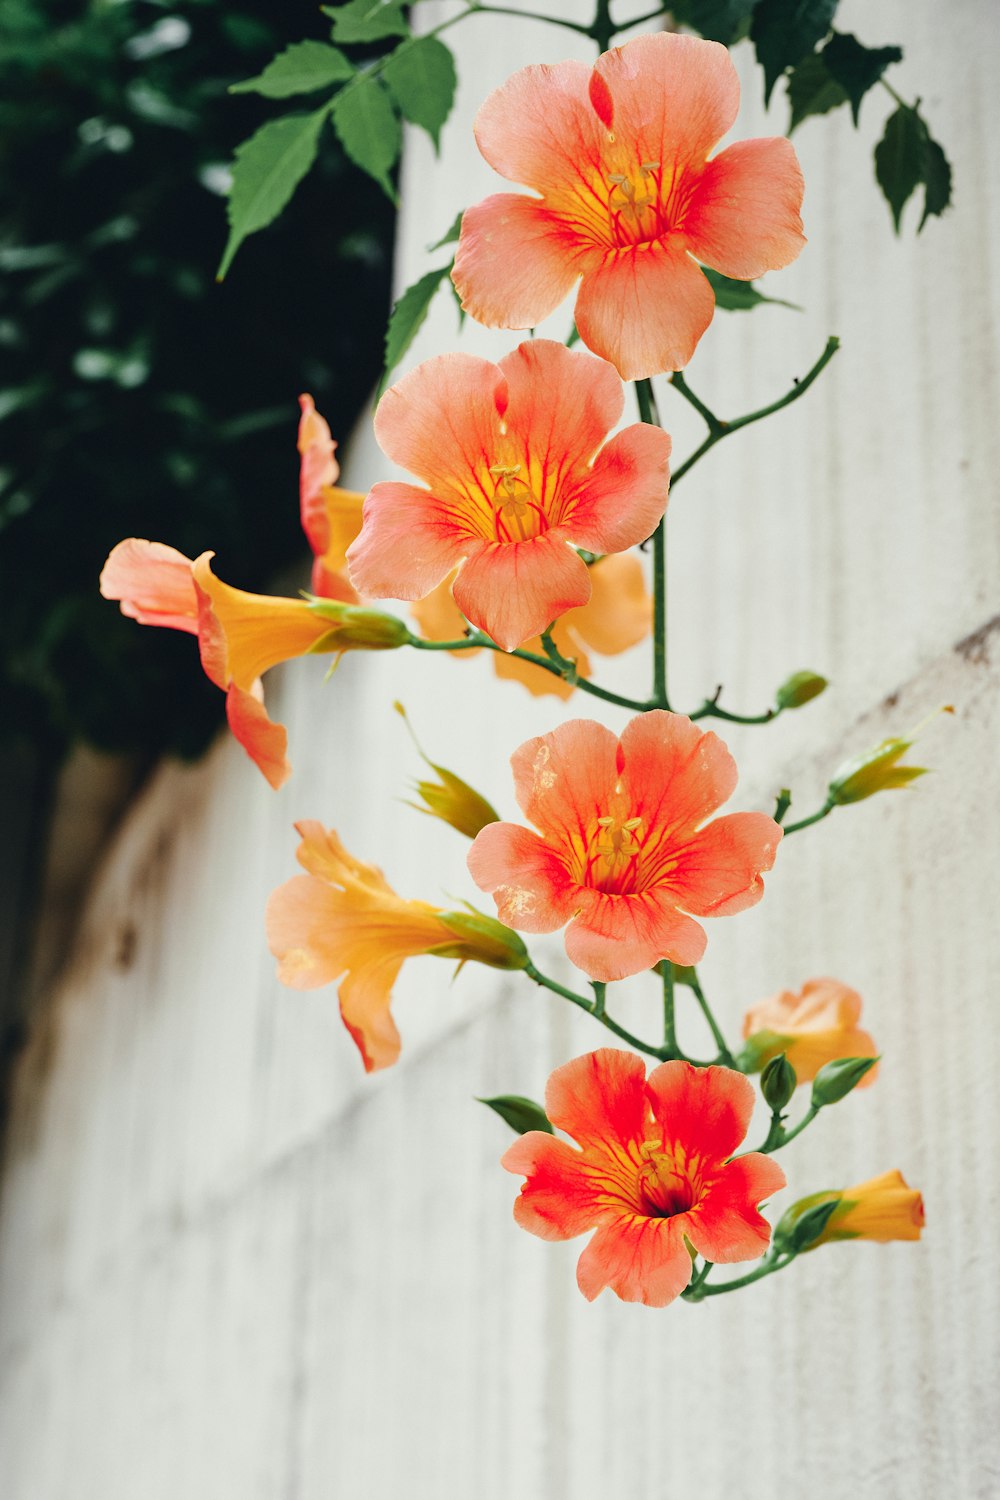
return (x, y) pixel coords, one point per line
(739, 296)
(855, 67)
(783, 31)
(519, 1113)
(452, 235)
(267, 169)
(899, 159)
(407, 317)
(725, 21)
(812, 91)
(369, 129)
(302, 67)
(421, 77)
(937, 180)
(366, 20)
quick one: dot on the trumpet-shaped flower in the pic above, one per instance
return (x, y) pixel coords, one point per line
(654, 1171)
(623, 852)
(884, 1208)
(618, 614)
(331, 517)
(344, 919)
(812, 1028)
(628, 199)
(516, 479)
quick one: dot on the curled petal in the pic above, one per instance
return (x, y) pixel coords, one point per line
(709, 1109)
(640, 1259)
(744, 215)
(645, 308)
(265, 742)
(514, 590)
(516, 261)
(153, 584)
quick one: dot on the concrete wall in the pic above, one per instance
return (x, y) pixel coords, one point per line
(234, 1268)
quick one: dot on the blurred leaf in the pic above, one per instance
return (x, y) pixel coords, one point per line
(519, 1113)
(855, 67)
(899, 159)
(937, 180)
(421, 77)
(725, 21)
(408, 315)
(740, 296)
(301, 68)
(368, 129)
(783, 31)
(452, 234)
(266, 171)
(812, 90)
(367, 20)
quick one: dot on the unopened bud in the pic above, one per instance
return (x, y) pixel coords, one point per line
(878, 769)
(353, 628)
(482, 940)
(800, 1226)
(777, 1083)
(835, 1080)
(451, 799)
(800, 688)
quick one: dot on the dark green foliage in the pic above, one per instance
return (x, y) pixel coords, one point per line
(408, 316)
(137, 397)
(812, 90)
(725, 21)
(857, 68)
(367, 20)
(300, 69)
(519, 1113)
(784, 31)
(907, 157)
(369, 129)
(421, 78)
(739, 296)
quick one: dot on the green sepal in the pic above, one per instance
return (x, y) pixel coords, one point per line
(519, 1113)
(801, 1225)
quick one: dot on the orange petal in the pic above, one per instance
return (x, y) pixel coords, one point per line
(539, 127)
(619, 502)
(600, 1099)
(342, 512)
(560, 1198)
(707, 1109)
(613, 937)
(640, 1259)
(264, 741)
(537, 680)
(516, 261)
(409, 542)
(441, 420)
(561, 405)
(620, 611)
(673, 96)
(645, 308)
(438, 617)
(242, 634)
(153, 584)
(563, 780)
(744, 216)
(524, 876)
(717, 873)
(675, 775)
(514, 590)
(724, 1224)
(317, 469)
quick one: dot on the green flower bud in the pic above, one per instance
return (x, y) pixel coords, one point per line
(353, 628)
(451, 799)
(482, 939)
(836, 1079)
(800, 688)
(777, 1083)
(801, 1225)
(878, 770)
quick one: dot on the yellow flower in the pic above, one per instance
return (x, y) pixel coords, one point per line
(884, 1208)
(811, 1028)
(878, 770)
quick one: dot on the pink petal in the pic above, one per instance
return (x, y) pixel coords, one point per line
(514, 590)
(705, 1110)
(744, 216)
(153, 583)
(516, 261)
(441, 421)
(615, 936)
(264, 741)
(645, 308)
(317, 468)
(640, 1259)
(539, 128)
(673, 96)
(600, 1099)
(724, 1224)
(410, 540)
(525, 877)
(717, 873)
(675, 775)
(620, 501)
(562, 405)
(564, 780)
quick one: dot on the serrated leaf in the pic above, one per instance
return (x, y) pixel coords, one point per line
(519, 1113)
(368, 129)
(367, 20)
(855, 67)
(267, 169)
(812, 91)
(407, 317)
(302, 67)
(421, 77)
(783, 31)
(899, 159)
(725, 21)
(937, 180)
(739, 296)
(452, 235)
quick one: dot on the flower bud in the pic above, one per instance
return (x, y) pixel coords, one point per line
(451, 799)
(882, 1209)
(482, 939)
(877, 770)
(353, 628)
(777, 1083)
(835, 1080)
(800, 1226)
(800, 688)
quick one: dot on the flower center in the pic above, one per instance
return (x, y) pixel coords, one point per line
(613, 854)
(517, 514)
(635, 211)
(667, 1182)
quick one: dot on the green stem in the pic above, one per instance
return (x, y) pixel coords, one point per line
(777, 1136)
(600, 994)
(476, 640)
(725, 1056)
(593, 1008)
(782, 803)
(718, 429)
(710, 710)
(670, 1047)
(602, 29)
(772, 1262)
(658, 699)
(528, 15)
(815, 817)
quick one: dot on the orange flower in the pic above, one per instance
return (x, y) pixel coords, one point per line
(882, 1209)
(654, 1171)
(618, 615)
(507, 452)
(811, 1028)
(627, 200)
(331, 517)
(343, 919)
(622, 854)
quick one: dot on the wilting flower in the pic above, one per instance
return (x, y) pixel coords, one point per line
(240, 635)
(811, 1028)
(623, 851)
(618, 614)
(331, 517)
(653, 1171)
(507, 452)
(343, 921)
(882, 1209)
(627, 199)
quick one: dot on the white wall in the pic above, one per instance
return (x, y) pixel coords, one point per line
(234, 1268)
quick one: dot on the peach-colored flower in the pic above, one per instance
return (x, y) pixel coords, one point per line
(654, 1170)
(507, 452)
(331, 517)
(618, 614)
(811, 1028)
(344, 919)
(623, 853)
(628, 199)
(884, 1208)
(153, 584)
